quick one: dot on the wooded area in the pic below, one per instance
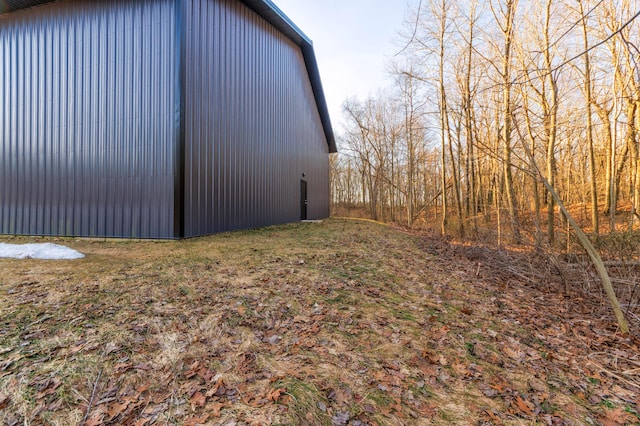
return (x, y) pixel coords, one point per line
(477, 85)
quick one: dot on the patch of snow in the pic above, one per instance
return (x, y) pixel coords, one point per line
(45, 251)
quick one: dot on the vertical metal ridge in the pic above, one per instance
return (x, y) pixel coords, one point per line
(86, 119)
(180, 94)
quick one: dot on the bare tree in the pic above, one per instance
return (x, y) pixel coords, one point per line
(467, 100)
(504, 14)
(595, 222)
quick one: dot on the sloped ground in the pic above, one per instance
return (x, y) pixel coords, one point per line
(340, 323)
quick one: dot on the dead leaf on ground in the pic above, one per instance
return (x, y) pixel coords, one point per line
(141, 422)
(525, 406)
(96, 419)
(340, 396)
(513, 353)
(197, 400)
(196, 420)
(275, 394)
(493, 417)
(116, 409)
(617, 417)
(218, 387)
(215, 407)
(4, 401)
(49, 387)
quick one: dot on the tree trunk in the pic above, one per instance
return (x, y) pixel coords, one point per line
(609, 161)
(551, 107)
(595, 220)
(507, 111)
(445, 131)
(456, 184)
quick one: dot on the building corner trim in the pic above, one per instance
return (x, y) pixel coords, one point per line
(179, 121)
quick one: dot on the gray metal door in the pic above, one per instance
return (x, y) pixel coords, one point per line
(303, 200)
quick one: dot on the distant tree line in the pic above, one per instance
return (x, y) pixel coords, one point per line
(491, 98)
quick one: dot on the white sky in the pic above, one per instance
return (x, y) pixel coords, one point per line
(351, 39)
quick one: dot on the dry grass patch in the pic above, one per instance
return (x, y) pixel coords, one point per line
(344, 322)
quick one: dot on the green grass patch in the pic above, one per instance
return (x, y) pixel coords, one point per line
(305, 402)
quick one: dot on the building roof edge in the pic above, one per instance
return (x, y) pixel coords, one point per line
(272, 14)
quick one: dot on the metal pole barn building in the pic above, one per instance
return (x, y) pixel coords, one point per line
(158, 118)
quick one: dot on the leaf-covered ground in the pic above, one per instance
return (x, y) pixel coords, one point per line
(340, 323)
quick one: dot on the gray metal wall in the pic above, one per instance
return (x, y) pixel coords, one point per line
(251, 124)
(88, 119)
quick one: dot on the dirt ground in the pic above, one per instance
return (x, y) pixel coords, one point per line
(344, 322)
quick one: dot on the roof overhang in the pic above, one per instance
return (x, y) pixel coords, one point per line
(7, 6)
(275, 17)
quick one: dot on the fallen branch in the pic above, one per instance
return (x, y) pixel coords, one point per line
(612, 374)
(621, 263)
(93, 395)
(593, 253)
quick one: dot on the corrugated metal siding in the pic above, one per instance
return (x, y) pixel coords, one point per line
(252, 126)
(87, 119)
